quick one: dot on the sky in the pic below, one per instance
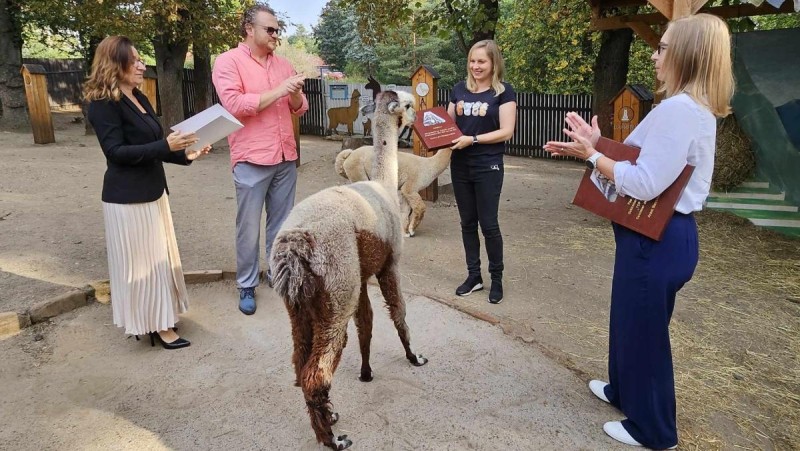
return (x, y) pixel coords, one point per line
(304, 12)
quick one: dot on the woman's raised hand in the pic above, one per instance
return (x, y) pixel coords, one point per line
(179, 140)
(582, 128)
(193, 155)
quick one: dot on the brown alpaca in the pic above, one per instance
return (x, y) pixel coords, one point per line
(344, 115)
(329, 246)
(415, 173)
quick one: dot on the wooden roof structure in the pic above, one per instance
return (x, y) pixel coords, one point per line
(604, 18)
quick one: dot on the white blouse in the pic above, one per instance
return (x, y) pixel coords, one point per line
(678, 131)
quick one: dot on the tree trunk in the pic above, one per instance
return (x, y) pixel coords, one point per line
(610, 75)
(13, 108)
(202, 77)
(170, 57)
(90, 47)
(486, 29)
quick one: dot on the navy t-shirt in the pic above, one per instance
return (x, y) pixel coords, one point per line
(476, 114)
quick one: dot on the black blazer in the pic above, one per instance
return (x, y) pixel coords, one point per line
(135, 147)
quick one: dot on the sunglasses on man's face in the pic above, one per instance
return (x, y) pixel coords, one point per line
(270, 30)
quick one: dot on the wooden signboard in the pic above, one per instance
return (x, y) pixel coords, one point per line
(649, 218)
(631, 105)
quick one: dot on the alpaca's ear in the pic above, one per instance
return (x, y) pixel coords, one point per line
(368, 108)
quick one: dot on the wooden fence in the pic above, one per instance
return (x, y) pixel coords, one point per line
(540, 117)
(65, 79)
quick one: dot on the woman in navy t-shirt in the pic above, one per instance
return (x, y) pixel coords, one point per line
(485, 110)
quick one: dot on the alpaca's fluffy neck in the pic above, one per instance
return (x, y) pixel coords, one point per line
(433, 167)
(384, 166)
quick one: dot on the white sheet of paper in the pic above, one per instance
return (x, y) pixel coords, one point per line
(210, 125)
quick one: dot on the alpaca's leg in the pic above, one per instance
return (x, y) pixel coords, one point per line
(417, 210)
(316, 380)
(405, 213)
(364, 326)
(389, 280)
(302, 335)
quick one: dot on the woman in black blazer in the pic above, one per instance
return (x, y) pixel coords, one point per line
(147, 286)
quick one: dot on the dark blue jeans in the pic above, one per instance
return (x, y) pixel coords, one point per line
(477, 190)
(647, 276)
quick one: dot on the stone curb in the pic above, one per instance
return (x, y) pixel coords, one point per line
(11, 323)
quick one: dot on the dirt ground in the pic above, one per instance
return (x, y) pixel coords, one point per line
(735, 332)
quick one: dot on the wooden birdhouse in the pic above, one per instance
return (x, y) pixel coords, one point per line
(631, 105)
(34, 77)
(424, 87)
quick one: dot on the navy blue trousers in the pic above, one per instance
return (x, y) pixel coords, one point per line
(477, 190)
(647, 276)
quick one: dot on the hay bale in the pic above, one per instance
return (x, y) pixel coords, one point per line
(734, 161)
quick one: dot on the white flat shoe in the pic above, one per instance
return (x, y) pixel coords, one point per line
(617, 431)
(598, 388)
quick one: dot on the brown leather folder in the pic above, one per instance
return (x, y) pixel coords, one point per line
(435, 128)
(648, 218)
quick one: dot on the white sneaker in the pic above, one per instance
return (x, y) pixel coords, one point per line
(617, 431)
(598, 388)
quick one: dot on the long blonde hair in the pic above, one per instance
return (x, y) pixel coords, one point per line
(498, 66)
(113, 57)
(698, 62)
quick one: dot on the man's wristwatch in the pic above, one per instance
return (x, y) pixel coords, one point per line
(474, 139)
(591, 162)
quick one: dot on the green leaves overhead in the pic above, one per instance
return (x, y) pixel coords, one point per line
(213, 21)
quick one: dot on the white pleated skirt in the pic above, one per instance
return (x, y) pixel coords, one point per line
(147, 286)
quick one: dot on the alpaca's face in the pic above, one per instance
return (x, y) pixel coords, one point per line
(403, 108)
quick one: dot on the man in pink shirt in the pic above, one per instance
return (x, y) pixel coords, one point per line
(263, 91)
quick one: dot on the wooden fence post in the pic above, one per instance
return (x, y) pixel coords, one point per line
(425, 89)
(150, 88)
(296, 129)
(35, 80)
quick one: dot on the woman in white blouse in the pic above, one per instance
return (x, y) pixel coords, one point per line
(693, 60)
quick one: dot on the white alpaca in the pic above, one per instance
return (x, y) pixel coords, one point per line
(329, 246)
(414, 174)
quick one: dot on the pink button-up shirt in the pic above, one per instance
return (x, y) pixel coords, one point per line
(268, 136)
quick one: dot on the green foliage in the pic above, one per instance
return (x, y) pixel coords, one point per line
(548, 47)
(302, 39)
(339, 40)
(469, 20)
(38, 43)
(641, 69)
(212, 21)
(397, 61)
(303, 61)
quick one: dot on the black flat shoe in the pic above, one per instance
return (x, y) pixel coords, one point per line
(177, 344)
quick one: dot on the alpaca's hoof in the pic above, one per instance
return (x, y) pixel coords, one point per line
(341, 442)
(365, 377)
(418, 360)
(334, 418)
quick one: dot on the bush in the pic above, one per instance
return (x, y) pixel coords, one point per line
(734, 161)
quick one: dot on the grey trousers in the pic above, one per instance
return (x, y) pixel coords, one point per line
(260, 187)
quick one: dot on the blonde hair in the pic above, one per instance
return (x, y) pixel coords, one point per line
(498, 66)
(113, 57)
(698, 62)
